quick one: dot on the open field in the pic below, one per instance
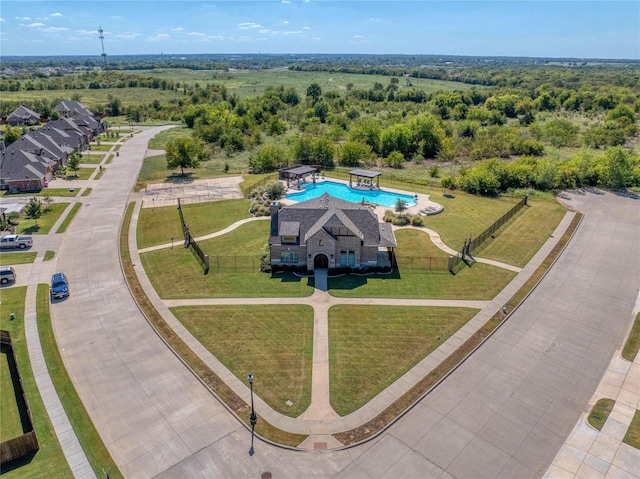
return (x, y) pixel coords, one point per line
(274, 343)
(372, 346)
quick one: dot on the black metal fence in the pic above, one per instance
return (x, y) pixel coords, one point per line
(189, 242)
(235, 264)
(473, 244)
(421, 263)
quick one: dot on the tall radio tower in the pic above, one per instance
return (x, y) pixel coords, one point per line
(104, 55)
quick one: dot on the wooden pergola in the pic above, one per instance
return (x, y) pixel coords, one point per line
(367, 174)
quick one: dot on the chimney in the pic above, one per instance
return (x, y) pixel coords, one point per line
(273, 209)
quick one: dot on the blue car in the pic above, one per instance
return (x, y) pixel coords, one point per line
(59, 286)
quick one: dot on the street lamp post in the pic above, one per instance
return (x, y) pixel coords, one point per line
(253, 419)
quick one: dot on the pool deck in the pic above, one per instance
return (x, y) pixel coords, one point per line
(423, 202)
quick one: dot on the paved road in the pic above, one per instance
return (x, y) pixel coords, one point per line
(504, 413)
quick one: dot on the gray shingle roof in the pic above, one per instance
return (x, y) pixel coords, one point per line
(327, 211)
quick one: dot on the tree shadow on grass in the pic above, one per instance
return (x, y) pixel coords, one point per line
(31, 230)
(353, 281)
(180, 179)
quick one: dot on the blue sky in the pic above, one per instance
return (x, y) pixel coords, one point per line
(578, 29)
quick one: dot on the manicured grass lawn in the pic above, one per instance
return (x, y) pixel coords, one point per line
(49, 462)
(176, 273)
(45, 191)
(274, 343)
(632, 437)
(247, 240)
(481, 281)
(416, 242)
(96, 452)
(101, 147)
(372, 346)
(91, 158)
(11, 258)
(49, 255)
(67, 221)
(81, 174)
(87, 191)
(159, 224)
(10, 426)
(632, 345)
(600, 412)
(519, 240)
(45, 222)
(100, 173)
(154, 169)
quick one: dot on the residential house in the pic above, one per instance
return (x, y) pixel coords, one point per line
(72, 109)
(327, 232)
(23, 116)
(25, 170)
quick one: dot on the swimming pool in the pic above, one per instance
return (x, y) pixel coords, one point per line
(342, 191)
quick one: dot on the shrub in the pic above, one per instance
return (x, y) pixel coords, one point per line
(417, 220)
(402, 220)
(389, 216)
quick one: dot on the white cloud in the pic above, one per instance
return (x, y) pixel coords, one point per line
(292, 32)
(160, 37)
(1, 19)
(35, 25)
(57, 14)
(306, 28)
(196, 34)
(85, 32)
(248, 25)
(178, 29)
(54, 29)
(285, 1)
(128, 35)
(359, 37)
(25, 19)
(286, 22)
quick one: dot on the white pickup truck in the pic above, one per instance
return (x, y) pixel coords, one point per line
(16, 241)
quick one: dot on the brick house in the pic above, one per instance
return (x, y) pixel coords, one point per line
(327, 232)
(23, 116)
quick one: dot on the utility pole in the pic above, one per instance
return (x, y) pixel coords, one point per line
(104, 55)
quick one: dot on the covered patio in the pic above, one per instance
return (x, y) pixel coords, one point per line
(368, 178)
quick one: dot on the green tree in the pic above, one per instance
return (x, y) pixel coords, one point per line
(446, 183)
(33, 209)
(352, 152)
(617, 168)
(11, 134)
(401, 205)
(73, 163)
(314, 91)
(184, 153)
(395, 159)
(268, 158)
(396, 137)
(275, 190)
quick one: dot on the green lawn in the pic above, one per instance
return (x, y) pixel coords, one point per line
(154, 169)
(49, 255)
(159, 141)
(67, 221)
(246, 240)
(101, 147)
(45, 222)
(274, 343)
(91, 158)
(416, 242)
(519, 240)
(87, 191)
(632, 437)
(49, 462)
(12, 258)
(80, 174)
(175, 273)
(159, 224)
(632, 345)
(372, 346)
(10, 426)
(46, 192)
(481, 281)
(600, 412)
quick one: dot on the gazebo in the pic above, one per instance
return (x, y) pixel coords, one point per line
(298, 173)
(367, 174)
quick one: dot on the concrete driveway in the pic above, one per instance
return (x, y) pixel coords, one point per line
(504, 413)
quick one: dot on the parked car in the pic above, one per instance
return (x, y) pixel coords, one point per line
(7, 273)
(59, 286)
(16, 241)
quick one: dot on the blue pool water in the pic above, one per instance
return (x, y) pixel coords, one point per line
(342, 191)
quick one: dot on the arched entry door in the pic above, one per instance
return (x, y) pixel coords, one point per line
(321, 262)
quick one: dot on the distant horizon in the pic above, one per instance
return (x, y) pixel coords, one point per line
(98, 57)
(571, 29)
